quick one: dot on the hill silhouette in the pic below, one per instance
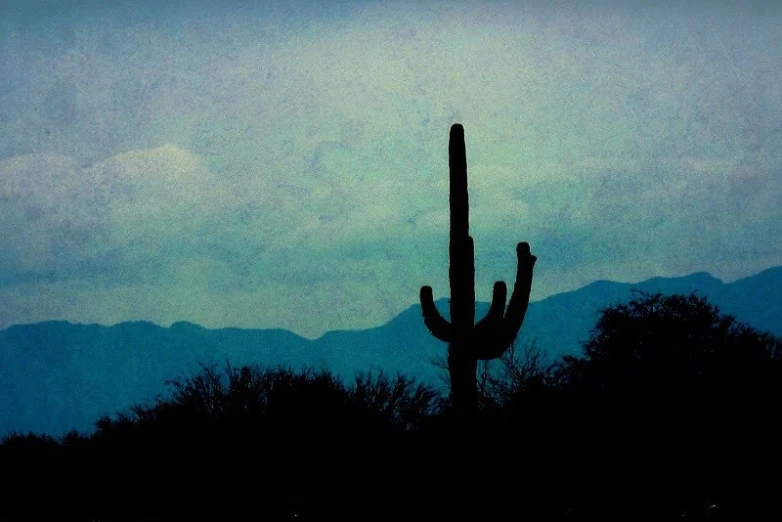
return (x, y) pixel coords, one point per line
(58, 376)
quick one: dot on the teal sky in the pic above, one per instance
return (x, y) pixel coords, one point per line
(284, 164)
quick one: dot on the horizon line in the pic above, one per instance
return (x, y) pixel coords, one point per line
(394, 316)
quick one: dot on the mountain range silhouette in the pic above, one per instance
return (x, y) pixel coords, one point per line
(58, 376)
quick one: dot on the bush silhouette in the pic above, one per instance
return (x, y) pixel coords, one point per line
(664, 345)
(673, 400)
(276, 441)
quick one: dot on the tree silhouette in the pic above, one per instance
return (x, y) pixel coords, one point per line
(469, 342)
(674, 401)
(658, 344)
(518, 372)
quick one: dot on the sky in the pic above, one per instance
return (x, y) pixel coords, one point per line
(285, 164)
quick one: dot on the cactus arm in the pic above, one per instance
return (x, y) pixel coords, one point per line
(486, 332)
(519, 300)
(496, 310)
(500, 338)
(435, 322)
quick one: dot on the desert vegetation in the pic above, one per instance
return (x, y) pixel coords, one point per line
(668, 412)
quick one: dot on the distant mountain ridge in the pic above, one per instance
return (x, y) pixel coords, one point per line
(58, 376)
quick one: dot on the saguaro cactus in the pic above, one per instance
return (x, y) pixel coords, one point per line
(469, 342)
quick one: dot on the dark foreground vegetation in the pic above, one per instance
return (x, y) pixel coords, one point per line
(671, 412)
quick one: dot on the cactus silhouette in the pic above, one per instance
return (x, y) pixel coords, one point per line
(469, 342)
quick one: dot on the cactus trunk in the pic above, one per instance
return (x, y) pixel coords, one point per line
(488, 339)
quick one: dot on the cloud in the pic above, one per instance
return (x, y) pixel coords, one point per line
(65, 221)
(262, 166)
